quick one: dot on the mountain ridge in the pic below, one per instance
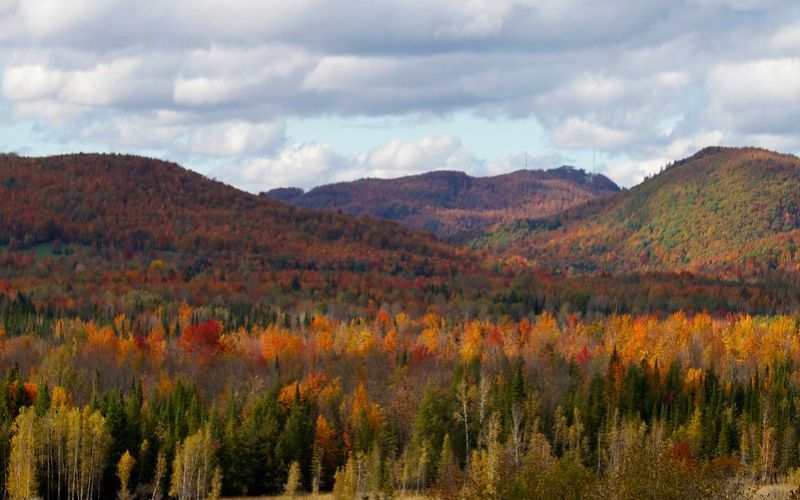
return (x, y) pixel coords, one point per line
(452, 203)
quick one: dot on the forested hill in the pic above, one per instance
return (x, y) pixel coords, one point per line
(452, 204)
(100, 214)
(729, 210)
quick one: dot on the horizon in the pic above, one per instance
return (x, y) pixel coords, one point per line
(578, 168)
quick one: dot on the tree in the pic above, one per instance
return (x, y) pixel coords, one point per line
(484, 468)
(193, 467)
(448, 475)
(124, 469)
(75, 449)
(22, 474)
(292, 486)
(161, 470)
(464, 394)
(345, 484)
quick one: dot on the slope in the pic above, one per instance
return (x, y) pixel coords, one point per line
(91, 218)
(452, 204)
(729, 210)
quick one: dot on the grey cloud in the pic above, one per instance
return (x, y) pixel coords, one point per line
(638, 81)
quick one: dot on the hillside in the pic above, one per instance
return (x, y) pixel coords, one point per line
(100, 234)
(111, 218)
(452, 204)
(735, 211)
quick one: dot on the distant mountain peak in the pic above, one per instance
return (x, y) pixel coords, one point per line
(452, 203)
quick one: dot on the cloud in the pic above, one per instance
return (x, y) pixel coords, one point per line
(637, 81)
(787, 38)
(304, 165)
(309, 165)
(629, 172)
(30, 82)
(237, 138)
(412, 157)
(576, 133)
(118, 83)
(756, 97)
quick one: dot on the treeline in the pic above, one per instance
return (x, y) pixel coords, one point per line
(187, 406)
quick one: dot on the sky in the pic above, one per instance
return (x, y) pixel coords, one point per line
(270, 93)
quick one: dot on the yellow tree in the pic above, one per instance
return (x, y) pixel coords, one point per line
(124, 469)
(193, 468)
(292, 486)
(22, 476)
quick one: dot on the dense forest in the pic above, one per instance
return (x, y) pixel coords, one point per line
(163, 335)
(176, 402)
(455, 205)
(725, 211)
(129, 204)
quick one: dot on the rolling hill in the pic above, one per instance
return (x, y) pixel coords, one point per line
(101, 221)
(453, 204)
(734, 211)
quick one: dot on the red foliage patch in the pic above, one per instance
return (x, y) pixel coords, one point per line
(202, 338)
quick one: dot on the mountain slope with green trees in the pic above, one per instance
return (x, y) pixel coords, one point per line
(724, 209)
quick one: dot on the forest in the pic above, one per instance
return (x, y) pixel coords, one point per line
(163, 335)
(191, 402)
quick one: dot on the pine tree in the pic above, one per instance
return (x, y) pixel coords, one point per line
(448, 474)
(316, 470)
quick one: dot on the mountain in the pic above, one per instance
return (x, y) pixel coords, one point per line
(98, 218)
(97, 235)
(729, 210)
(452, 204)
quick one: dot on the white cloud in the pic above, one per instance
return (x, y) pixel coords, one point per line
(629, 172)
(309, 165)
(589, 90)
(761, 82)
(411, 157)
(637, 81)
(30, 82)
(787, 38)
(304, 165)
(203, 90)
(577, 133)
(756, 97)
(236, 138)
(180, 135)
(120, 82)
